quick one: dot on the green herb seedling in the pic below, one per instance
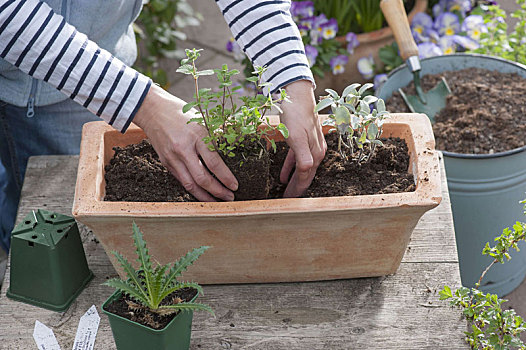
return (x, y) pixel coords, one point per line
(149, 286)
(492, 327)
(358, 127)
(231, 127)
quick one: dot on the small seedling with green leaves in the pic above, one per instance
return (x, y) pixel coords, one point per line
(358, 126)
(148, 286)
(232, 128)
(492, 326)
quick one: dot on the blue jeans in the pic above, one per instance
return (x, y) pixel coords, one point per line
(54, 129)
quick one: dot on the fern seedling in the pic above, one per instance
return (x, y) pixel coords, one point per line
(149, 286)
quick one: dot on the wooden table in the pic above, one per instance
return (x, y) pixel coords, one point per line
(400, 311)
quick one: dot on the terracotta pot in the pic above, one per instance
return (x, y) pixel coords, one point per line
(370, 44)
(278, 240)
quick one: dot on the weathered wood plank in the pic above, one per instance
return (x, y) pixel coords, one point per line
(401, 311)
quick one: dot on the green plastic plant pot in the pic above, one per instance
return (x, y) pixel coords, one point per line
(48, 265)
(130, 335)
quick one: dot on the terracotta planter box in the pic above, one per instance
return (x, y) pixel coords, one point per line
(279, 240)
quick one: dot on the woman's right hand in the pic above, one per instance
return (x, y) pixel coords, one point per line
(180, 145)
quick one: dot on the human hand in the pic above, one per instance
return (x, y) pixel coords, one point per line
(179, 146)
(306, 141)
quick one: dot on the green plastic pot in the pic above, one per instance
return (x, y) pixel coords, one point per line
(130, 335)
(485, 189)
(48, 265)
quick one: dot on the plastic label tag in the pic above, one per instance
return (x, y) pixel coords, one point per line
(87, 330)
(44, 337)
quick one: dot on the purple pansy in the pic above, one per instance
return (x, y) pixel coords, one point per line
(301, 9)
(233, 46)
(426, 50)
(447, 23)
(474, 26)
(462, 6)
(329, 29)
(338, 64)
(352, 42)
(318, 21)
(307, 22)
(312, 53)
(421, 24)
(447, 44)
(304, 30)
(466, 42)
(365, 66)
(379, 80)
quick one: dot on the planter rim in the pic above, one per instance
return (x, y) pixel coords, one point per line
(117, 294)
(426, 170)
(386, 32)
(464, 55)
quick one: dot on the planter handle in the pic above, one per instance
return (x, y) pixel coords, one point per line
(396, 17)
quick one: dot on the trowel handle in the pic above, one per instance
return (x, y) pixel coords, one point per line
(394, 13)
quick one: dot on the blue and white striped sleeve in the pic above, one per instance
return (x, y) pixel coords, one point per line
(268, 35)
(41, 44)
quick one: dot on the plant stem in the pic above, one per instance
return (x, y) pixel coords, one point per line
(198, 97)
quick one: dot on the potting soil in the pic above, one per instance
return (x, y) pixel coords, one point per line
(485, 114)
(135, 173)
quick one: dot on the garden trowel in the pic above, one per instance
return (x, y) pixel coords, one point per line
(432, 101)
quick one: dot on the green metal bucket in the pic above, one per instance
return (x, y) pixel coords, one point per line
(485, 190)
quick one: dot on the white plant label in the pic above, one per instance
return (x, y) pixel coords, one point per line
(44, 337)
(87, 330)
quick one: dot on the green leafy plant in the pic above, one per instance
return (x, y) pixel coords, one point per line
(150, 285)
(158, 27)
(232, 128)
(358, 126)
(358, 16)
(497, 41)
(492, 327)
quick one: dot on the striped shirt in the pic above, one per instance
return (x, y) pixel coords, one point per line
(42, 44)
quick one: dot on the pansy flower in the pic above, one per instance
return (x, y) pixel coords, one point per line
(312, 53)
(301, 9)
(474, 26)
(304, 31)
(233, 46)
(338, 64)
(329, 29)
(365, 66)
(379, 80)
(447, 44)
(466, 42)
(318, 21)
(462, 6)
(447, 23)
(306, 22)
(421, 24)
(352, 42)
(426, 50)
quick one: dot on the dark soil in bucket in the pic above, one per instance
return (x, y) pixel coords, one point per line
(126, 307)
(485, 114)
(132, 173)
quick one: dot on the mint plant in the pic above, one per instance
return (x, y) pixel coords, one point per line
(150, 285)
(358, 126)
(492, 327)
(231, 128)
